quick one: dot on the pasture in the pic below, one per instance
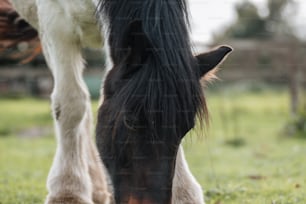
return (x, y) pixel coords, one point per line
(244, 157)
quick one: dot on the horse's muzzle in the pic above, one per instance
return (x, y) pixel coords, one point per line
(135, 200)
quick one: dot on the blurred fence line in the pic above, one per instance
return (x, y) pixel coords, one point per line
(276, 62)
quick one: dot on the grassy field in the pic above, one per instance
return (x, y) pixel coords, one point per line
(244, 157)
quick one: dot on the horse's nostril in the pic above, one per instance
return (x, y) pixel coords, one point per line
(135, 200)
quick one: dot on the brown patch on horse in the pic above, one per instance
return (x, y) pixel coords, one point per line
(133, 200)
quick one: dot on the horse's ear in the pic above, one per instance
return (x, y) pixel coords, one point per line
(136, 42)
(210, 60)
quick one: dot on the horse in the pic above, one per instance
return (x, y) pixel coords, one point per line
(151, 97)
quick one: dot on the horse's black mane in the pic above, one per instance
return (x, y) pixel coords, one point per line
(156, 85)
(151, 96)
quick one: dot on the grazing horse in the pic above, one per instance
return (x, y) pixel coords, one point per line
(152, 95)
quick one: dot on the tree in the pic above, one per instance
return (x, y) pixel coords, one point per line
(250, 24)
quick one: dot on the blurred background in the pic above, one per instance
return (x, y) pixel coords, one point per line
(254, 150)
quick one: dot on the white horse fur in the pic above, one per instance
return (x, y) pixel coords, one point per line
(77, 175)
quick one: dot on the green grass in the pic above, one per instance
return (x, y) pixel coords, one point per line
(243, 158)
(24, 165)
(20, 114)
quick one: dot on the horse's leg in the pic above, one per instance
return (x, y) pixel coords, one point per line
(100, 182)
(185, 189)
(97, 172)
(75, 160)
(68, 180)
(28, 10)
